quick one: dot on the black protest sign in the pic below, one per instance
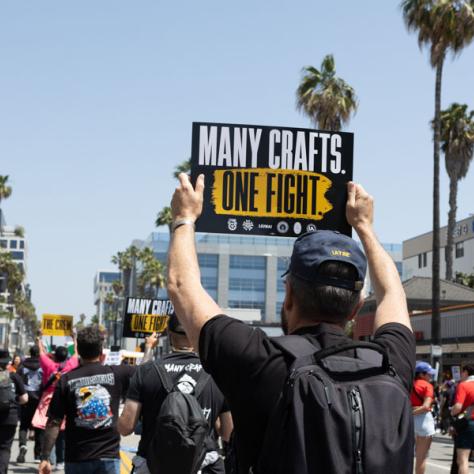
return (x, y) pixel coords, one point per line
(143, 316)
(271, 180)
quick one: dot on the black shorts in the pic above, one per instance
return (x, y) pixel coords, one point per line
(465, 439)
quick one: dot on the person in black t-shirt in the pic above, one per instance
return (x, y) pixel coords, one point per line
(89, 398)
(323, 292)
(12, 395)
(146, 395)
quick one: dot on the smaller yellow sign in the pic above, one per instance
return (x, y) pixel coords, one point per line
(148, 323)
(56, 325)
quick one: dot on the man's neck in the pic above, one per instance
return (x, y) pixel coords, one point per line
(90, 361)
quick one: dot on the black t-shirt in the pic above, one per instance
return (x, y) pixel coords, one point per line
(10, 417)
(89, 397)
(251, 371)
(185, 369)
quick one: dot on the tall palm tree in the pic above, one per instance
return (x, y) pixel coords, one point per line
(184, 167)
(443, 26)
(164, 218)
(126, 262)
(325, 98)
(457, 143)
(152, 274)
(5, 193)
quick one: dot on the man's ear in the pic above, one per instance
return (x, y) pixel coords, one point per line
(102, 358)
(289, 300)
(356, 309)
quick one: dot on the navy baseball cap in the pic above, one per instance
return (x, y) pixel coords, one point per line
(313, 248)
(174, 325)
(424, 367)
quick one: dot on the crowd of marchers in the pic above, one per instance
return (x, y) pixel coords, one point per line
(229, 398)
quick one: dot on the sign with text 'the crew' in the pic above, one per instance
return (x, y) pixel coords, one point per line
(56, 325)
(144, 316)
(271, 180)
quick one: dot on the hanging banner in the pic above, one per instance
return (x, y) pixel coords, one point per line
(56, 325)
(271, 180)
(144, 316)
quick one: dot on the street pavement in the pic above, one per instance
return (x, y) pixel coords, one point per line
(439, 461)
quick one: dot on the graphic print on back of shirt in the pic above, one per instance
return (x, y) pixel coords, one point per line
(93, 410)
(93, 407)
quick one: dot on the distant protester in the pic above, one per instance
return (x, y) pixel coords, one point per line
(12, 394)
(31, 374)
(88, 398)
(181, 371)
(422, 396)
(53, 366)
(464, 428)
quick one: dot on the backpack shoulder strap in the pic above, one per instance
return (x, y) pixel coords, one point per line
(201, 383)
(164, 377)
(296, 346)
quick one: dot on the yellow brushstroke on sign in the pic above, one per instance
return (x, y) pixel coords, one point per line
(56, 325)
(264, 192)
(148, 322)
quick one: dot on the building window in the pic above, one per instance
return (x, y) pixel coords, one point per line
(17, 255)
(13, 244)
(22, 244)
(459, 250)
(208, 260)
(3, 244)
(247, 261)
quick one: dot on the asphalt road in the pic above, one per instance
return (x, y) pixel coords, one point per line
(439, 461)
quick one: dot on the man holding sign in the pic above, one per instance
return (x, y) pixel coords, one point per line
(323, 292)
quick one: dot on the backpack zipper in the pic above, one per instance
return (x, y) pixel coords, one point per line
(357, 413)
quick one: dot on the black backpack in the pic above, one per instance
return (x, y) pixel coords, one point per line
(7, 396)
(179, 443)
(338, 414)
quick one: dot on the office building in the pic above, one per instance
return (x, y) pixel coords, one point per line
(418, 251)
(103, 280)
(12, 240)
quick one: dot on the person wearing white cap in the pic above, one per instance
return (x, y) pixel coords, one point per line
(422, 396)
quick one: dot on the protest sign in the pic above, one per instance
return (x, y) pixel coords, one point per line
(112, 357)
(56, 325)
(271, 180)
(144, 316)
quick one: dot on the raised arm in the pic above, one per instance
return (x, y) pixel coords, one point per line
(389, 293)
(192, 304)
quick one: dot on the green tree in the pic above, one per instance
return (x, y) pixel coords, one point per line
(326, 99)
(5, 193)
(164, 216)
(151, 277)
(443, 26)
(184, 167)
(457, 143)
(126, 261)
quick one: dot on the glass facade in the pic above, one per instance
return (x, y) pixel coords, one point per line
(17, 255)
(282, 267)
(108, 277)
(13, 244)
(247, 277)
(209, 265)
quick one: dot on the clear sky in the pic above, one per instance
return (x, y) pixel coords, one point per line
(97, 101)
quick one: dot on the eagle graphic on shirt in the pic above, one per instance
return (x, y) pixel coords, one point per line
(93, 407)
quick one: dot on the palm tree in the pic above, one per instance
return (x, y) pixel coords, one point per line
(325, 98)
(457, 143)
(442, 25)
(126, 262)
(164, 217)
(5, 193)
(184, 167)
(152, 275)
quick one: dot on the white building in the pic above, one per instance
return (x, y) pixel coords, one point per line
(12, 240)
(418, 254)
(103, 280)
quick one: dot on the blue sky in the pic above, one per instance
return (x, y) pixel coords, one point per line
(97, 101)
